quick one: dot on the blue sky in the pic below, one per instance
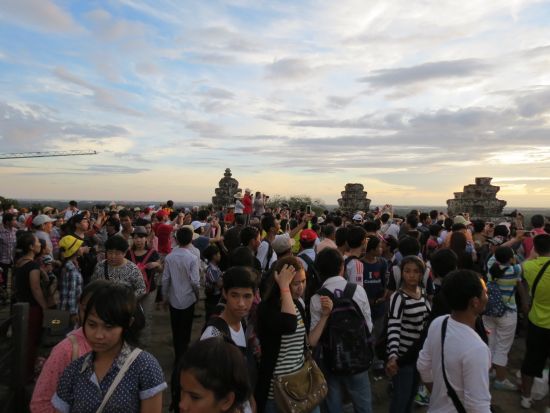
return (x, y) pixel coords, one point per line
(295, 97)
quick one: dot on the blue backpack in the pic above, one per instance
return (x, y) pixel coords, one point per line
(495, 305)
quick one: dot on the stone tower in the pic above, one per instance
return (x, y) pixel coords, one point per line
(354, 198)
(228, 187)
(479, 200)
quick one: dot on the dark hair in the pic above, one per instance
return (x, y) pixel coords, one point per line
(341, 236)
(73, 203)
(371, 226)
(92, 287)
(408, 246)
(423, 216)
(203, 214)
(355, 236)
(435, 229)
(268, 222)
(329, 262)
(391, 242)
(501, 230)
(384, 217)
(412, 220)
(116, 243)
(115, 305)
(448, 223)
(210, 251)
(443, 261)
(170, 203)
(124, 213)
(503, 255)
(541, 243)
(458, 226)
(459, 287)
(7, 218)
(184, 236)
(373, 243)
(25, 242)
(479, 225)
(239, 219)
(328, 230)
(248, 234)
(114, 223)
(412, 259)
(458, 242)
(537, 221)
(242, 256)
(219, 367)
(240, 277)
(293, 223)
(434, 214)
(272, 291)
(337, 220)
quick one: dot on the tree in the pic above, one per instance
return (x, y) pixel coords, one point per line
(297, 202)
(6, 203)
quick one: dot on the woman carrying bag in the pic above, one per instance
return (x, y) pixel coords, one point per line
(282, 332)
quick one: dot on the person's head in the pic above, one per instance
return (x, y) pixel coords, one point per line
(478, 225)
(28, 243)
(9, 220)
(448, 224)
(307, 238)
(443, 261)
(212, 254)
(501, 230)
(412, 220)
(424, 218)
(463, 290)
(412, 271)
(329, 231)
(537, 221)
(139, 237)
(73, 205)
(541, 244)
(408, 246)
(109, 318)
(250, 237)
(87, 292)
(341, 237)
(297, 285)
(239, 287)
(458, 242)
(184, 236)
(213, 377)
(504, 255)
(435, 230)
(371, 226)
(374, 247)
(115, 250)
(433, 215)
(79, 222)
(125, 219)
(69, 246)
(384, 217)
(239, 219)
(270, 224)
(112, 226)
(459, 227)
(356, 236)
(329, 263)
(242, 256)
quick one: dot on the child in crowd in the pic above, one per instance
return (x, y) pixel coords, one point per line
(408, 312)
(71, 278)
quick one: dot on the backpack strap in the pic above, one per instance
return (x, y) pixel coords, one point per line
(326, 292)
(269, 254)
(450, 391)
(74, 345)
(350, 259)
(537, 279)
(306, 259)
(349, 291)
(219, 324)
(106, 270)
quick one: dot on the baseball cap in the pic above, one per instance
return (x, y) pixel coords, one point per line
(282, 243)
(357, 217)
(308, 235)
(42, 219)
(161, 214)
(197, 224)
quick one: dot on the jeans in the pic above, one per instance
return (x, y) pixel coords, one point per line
(181, 322)
(271, 407)
(405, 386)
(358, 386)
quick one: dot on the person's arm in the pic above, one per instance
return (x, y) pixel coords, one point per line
(36, 290)
(194, 276)
(394, 333)
(152, 404)
(165, 284)
(326, 305)
(73, 295)
(283, 280)
(424, 362)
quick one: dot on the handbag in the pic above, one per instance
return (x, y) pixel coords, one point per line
(55, 325)
(302, 390)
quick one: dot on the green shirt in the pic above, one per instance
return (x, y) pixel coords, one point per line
(540, 310)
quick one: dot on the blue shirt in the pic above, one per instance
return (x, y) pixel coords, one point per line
(79, 391)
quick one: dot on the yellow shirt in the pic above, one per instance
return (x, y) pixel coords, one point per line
(540, 310)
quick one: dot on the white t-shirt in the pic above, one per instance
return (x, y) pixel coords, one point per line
(263, 249)
(467, 364)
(237, 336)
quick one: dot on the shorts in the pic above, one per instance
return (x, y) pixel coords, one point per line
(537, 350)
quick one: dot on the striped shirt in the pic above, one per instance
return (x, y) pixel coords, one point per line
(291, 353)
(406, 319)
(507, 282)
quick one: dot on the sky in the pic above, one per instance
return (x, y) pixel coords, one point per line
(412, 100)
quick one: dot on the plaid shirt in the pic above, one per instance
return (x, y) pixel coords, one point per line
(7, 245)
(71, 288)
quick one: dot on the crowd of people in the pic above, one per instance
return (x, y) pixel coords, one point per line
(432, 303)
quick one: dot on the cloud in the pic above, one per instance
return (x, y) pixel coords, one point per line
(216, 93)
(288, 69)
(39, 15)
(431, 71)
(534, 103)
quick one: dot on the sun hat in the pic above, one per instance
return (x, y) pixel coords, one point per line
(70, 245)
(41, 219)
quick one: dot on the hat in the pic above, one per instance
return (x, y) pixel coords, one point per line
(41, 219)
(190, 228)
(459, 219)
(45, 210)
(147, 210)
(76, 218)
(308, 235)
(496, 241)
(137, 209)
(47, 259)
(139, 230)
(282, 243)
(320, 220)
(238, 195)
(70, 245)
(357, 217)
(197, 224)
(247, 190)
(161, 214)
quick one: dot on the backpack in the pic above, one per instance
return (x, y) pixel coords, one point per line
(495, 305)
(313, 280)
(346, 343)
(142, 267)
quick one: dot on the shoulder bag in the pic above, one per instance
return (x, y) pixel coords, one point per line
(450, 391)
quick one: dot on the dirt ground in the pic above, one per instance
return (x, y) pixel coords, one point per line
(503, 402)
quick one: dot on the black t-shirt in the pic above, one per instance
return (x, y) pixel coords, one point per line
(22, 283)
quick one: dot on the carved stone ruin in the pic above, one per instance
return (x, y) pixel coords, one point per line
(354, 198)
(479, 200)
(228, 187)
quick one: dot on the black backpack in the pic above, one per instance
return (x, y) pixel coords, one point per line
(346, 340)
(313, 280)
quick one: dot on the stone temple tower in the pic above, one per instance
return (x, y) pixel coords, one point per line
(228, 187)
(479, 200)
(354, 198)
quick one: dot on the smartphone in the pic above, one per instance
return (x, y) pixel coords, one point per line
(308, 209)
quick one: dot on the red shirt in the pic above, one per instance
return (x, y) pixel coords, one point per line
(229, 217)
(163, 233)
(247, 202)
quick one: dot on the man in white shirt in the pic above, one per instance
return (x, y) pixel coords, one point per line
(265, 253)
(467, 358)
(180, 289)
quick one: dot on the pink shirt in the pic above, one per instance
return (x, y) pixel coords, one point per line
(60, 357)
